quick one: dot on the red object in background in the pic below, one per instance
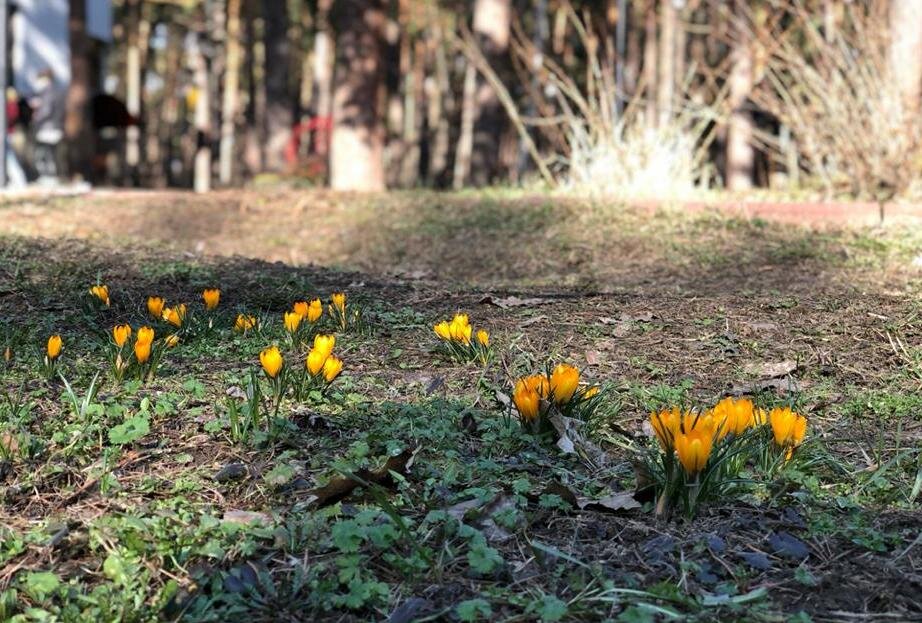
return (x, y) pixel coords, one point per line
(12, 115)
(320, 125)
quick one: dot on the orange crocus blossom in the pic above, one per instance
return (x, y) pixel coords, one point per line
(527, 400)
(563, 383)
(272, 361)
(693, 448)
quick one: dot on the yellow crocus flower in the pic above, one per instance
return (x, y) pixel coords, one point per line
(315, 361)
(155, 306)
(142, 350)
(120, 334)
(101, 292)
(564, 381)
(272, 361)
(331, 368)
(693, 449)
(175, 315)
(54, 347)
(211, 296)
(324, 344)
(145, 335)
(314, 311)
(443, 330)
(292, 321)
(788, 427)
(300, 308)
(526, 399)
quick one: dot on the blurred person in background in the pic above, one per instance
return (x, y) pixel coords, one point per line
(16, 176)
(48, 125)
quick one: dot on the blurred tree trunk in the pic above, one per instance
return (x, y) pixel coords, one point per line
(138, 28)
(441, 105)
(77, 131)
(740, 152)
(255, 149)
(492, 23)
(633, 54)
(396, 63)
(357, 154)
(199, 65)
(323, 75)
(279, 113)
(231, 93)
(680, 54)
(153, 105)
(649, 64)
(411, 63)
(170, 108)
(466, 133)
(665, 80)
(906, 51)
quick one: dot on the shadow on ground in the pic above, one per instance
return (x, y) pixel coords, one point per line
(487, 239)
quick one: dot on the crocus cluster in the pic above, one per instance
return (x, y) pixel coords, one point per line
(101, 292)
(245, 323)
(311, 311)
(176, 314)
(534, 396)
(459, 337)
(693, 435)
(302, 313)
(321, 361)
(337, 310)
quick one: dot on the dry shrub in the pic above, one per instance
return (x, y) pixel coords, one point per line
(834, 90)
(587, 146)
(629, 158)
(606, 152)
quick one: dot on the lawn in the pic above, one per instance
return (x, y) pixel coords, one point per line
(407, 489)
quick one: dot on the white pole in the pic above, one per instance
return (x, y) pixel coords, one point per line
(3, 136)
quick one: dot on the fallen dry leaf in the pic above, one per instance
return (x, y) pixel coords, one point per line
(479, 514)
(246, 517)
(620, 501)
(9, 443)
(759, 327)
(781, 386)
(341, 486)
(513, 301)
(617, 501)
(571, 441)
(531, 321)
(770, 370)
